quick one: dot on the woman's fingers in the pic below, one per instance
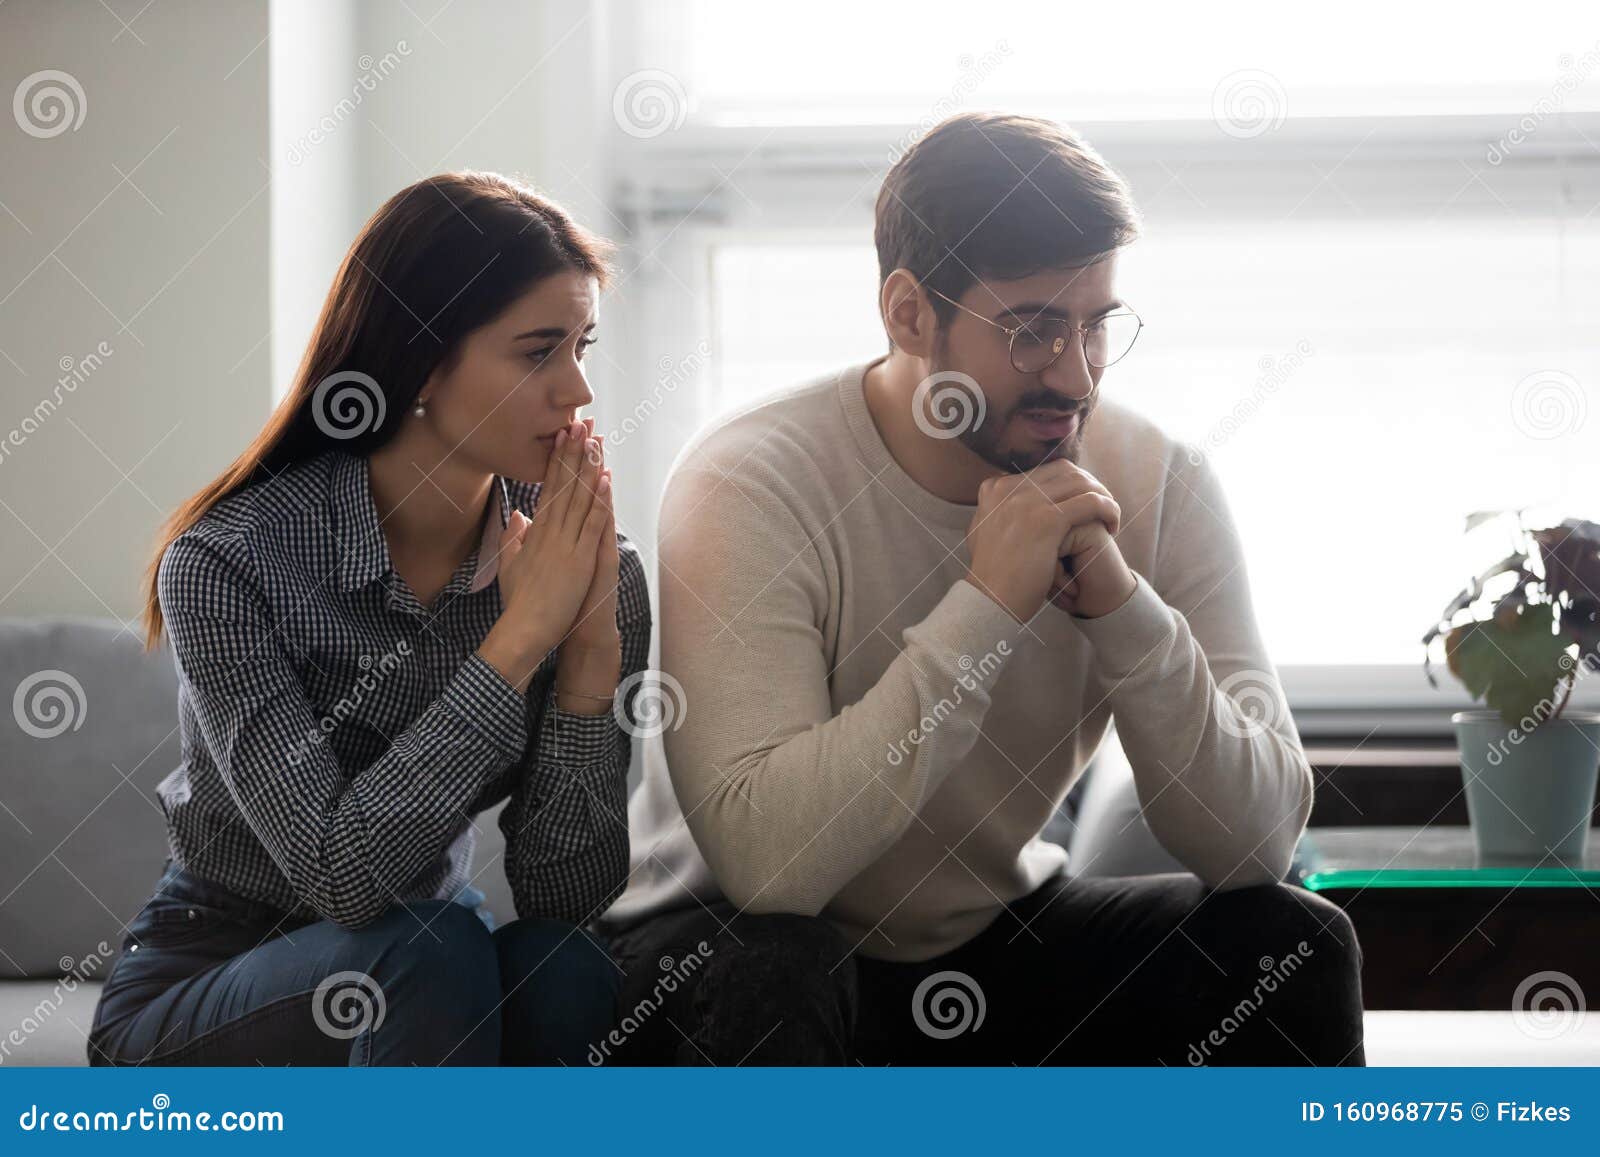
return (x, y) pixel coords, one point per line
(550, 507)
(571, 459)
(598, 517)
(511, 544)
(515, 534)
(608, 536)
(588, 477)
(552, 465)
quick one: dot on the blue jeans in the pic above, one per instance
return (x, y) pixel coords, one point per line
(207, 977)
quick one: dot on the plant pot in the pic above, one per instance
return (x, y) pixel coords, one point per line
(1530, 794)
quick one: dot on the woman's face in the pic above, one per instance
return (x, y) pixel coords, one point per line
(518, 380)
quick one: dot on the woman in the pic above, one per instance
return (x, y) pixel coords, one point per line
(404, 603)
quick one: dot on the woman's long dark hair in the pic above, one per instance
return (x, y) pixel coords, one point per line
(439, 259)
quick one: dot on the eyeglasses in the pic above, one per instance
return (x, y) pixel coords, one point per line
(1037, 345)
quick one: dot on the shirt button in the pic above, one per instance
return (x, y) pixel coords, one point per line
(191, 913)
(133, 948)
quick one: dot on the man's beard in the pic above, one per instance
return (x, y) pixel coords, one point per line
(986, 439)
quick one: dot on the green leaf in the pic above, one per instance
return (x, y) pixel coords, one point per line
(1571, 556)
(1510, 663)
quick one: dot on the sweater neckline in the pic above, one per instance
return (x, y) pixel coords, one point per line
(875, 454)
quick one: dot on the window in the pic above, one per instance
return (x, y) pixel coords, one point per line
(1373, 304)
(840, 62)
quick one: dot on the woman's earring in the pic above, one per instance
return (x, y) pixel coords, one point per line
(422, 410)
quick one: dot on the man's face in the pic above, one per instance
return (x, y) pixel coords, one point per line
(1029, 418)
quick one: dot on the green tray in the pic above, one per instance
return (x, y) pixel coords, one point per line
(1433, 857)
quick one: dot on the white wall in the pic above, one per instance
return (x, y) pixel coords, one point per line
(257, 138)
(315, 82)
(145, 228)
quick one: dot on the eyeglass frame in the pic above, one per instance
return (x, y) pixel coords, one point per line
(1011, 333)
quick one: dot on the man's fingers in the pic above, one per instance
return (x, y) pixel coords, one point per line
(1062, 486)
(1095, 505)
(1060, 480)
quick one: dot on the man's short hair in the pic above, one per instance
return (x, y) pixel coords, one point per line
(992, 195)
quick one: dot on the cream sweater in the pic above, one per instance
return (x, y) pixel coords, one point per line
(859, 732)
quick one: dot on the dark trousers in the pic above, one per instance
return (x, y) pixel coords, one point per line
(1133, 971)
(206, 977)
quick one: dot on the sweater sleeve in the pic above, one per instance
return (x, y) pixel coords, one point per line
(1221, 777)
(788, 800)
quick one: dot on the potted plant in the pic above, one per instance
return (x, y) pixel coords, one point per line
(1520, 637)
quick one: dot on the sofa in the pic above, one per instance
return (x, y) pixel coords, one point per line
(93, 730)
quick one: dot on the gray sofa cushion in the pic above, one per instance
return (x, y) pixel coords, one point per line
(1111, 837)
(92, 728)
(91, 731)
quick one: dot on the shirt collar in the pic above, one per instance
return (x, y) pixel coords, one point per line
(366, 554)
(355, 518)
(494, 523)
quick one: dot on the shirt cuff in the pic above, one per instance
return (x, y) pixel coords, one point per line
(1127, 636)
(485, 702)
(571, 741)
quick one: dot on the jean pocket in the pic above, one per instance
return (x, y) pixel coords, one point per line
(167, 922)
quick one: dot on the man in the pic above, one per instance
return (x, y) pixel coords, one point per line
(902, 604)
